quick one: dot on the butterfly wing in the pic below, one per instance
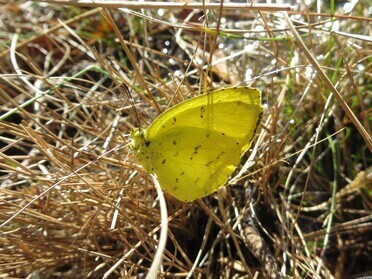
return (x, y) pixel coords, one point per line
(235, 112)
(195, 146)
(191, 164)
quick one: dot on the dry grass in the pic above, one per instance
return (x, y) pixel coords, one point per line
(73, 204)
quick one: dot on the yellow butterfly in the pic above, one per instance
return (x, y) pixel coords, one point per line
(196, 145)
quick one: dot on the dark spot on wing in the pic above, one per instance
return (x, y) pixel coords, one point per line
(211, 176)
(174, 142)
(202, 111)
(220, 155)
(163, 162)
(174, 120)
(196, 150)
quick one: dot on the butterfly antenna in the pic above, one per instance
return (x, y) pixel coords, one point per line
(131, 101)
